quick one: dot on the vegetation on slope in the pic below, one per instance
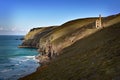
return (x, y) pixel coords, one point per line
(33, 37)
(63, 32)
(94, 57)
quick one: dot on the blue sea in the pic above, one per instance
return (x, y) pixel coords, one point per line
(15, 62)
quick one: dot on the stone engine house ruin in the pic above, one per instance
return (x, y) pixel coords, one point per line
(98, 23)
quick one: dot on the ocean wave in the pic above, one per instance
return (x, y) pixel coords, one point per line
(22, 65)
(23, 58)
(30, 57)
(5, 70)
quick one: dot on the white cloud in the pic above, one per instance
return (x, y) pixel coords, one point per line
(22, 30)
(1, 28)
(16, 29)
(13, 29)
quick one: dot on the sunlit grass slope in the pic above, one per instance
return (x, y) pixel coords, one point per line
(94, 57)
(67, 28)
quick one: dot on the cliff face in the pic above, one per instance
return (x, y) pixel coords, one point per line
(64, 35)
(34, 35)
(50, 41)
(85, 53)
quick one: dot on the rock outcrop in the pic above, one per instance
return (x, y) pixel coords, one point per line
(85, 52)
(34, 35)
(50, 41)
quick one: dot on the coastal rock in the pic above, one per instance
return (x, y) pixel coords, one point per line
(87, 53)
(50, 41)
(34, 35)
(43, 59)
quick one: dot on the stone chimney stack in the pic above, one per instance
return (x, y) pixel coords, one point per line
(99, 22)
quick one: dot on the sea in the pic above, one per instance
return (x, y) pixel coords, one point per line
(16, 62)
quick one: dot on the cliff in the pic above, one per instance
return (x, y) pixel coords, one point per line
(34, 35)
(85, 52)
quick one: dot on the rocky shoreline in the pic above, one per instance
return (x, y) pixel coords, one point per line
(52, 41)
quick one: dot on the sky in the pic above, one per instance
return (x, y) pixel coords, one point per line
(17, 17)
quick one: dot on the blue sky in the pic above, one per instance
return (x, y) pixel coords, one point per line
(19, 16)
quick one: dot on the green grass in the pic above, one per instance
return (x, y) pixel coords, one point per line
(33, 37)
(35, 31)
(63, 35)
(67, 28)
(59, 35)
(95, 57)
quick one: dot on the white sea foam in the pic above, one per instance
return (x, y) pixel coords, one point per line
(6, 70)
(30, 57)
(23, 65)
(15, 62)
(23, 58)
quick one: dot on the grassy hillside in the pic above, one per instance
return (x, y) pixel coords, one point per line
(94, 57)
(65, 35)
(34, 35)
(58, 35)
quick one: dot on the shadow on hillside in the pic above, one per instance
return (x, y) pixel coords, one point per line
(111, 31)
(95, 57)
